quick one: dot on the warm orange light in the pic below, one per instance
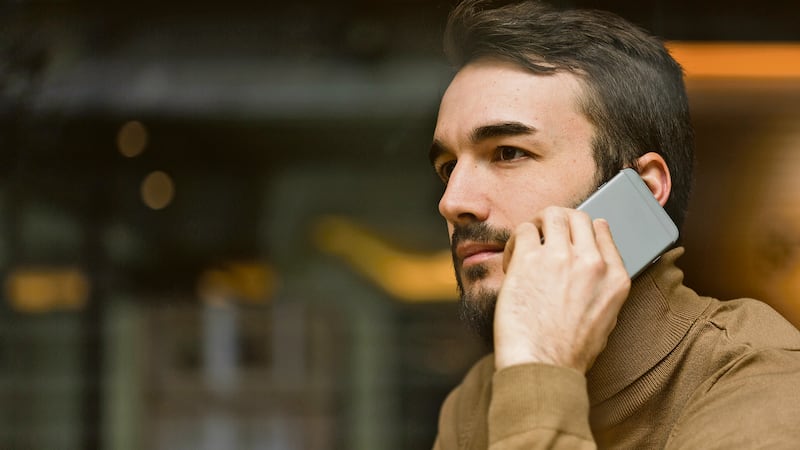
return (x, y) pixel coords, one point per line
(737, 59)
(248, 282)
(132, 139)
(407, 276)
(157, 190)
(38, 290)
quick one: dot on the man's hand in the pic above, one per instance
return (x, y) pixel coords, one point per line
(564, 286)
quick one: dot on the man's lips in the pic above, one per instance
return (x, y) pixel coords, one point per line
(473, 253)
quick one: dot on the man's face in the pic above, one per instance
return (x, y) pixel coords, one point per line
(507, 144)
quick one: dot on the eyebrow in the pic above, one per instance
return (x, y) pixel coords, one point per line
(482, 133)
(503, 129)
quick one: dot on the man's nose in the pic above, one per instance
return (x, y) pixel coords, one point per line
(465, 198)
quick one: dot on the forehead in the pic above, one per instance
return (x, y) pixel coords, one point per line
(492, 91)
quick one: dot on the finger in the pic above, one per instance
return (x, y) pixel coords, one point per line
(605, 242)
(508, 251)
(525, 232)
(555, 227)
(582, 231)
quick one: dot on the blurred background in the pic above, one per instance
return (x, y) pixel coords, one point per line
(218, 225)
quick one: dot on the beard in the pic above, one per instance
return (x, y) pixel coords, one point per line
(476, 305)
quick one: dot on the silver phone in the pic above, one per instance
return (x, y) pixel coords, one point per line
(641, 228)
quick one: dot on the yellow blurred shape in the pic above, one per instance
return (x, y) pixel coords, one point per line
(132, 139)
(158, 190)
(248, 282)
(43, 290)
(404, 275)
(737, 59)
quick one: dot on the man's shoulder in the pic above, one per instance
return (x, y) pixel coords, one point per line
(750, 370)
(754, 324)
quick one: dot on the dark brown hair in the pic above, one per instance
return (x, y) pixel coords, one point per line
(633, 89)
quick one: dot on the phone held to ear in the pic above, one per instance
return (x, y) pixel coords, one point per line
(641, 228)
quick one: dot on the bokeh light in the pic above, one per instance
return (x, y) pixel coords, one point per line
(158, 190)
(132, 139)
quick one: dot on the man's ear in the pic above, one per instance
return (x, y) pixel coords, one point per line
(655, 173)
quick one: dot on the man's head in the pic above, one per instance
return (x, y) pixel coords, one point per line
(545, 106)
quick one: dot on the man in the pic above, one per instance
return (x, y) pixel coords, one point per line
(546, 106)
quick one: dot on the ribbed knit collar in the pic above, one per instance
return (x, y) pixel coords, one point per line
(657, 315)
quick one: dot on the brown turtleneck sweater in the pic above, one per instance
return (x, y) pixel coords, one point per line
(679, 371)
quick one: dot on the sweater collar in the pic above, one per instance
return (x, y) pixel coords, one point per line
(657, 314)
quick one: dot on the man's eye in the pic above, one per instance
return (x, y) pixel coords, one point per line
(445, 169)
(509, 153)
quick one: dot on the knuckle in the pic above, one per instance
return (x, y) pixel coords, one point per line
(623, 281)
(580, 215)
(592, 262)
(562, 255)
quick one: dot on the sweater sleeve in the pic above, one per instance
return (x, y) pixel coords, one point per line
(539, 406)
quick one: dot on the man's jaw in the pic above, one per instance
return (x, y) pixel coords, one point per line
(477, 250)
(483, 276)
(478, 292)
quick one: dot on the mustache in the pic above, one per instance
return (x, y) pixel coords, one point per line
(477, 232)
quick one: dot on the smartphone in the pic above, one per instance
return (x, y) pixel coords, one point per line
(641, 228)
